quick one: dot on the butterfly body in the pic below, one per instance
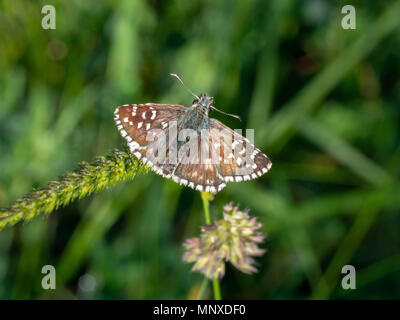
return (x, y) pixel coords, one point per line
(185, 144)
(196, 116)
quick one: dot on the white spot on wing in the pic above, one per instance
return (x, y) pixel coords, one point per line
(133, 146)
(264, 170)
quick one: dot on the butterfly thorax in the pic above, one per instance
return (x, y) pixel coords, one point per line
(196, 116)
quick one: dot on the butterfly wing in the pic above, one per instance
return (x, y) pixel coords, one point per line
(239, 160)
(135, 120)
(223, 156)
(198, 172)
(138, 123)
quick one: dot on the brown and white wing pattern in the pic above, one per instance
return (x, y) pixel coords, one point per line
(138, 123)
(199, 172)
(239, 159)
(222, 155)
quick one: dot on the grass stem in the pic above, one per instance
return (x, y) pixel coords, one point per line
(205, 197)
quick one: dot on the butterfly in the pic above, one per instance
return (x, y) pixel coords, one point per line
(186, 145)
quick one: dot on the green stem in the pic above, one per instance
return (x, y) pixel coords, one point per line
(205, 197)
(206, 205)
(217, 290)
(104, 172)
(203, 288)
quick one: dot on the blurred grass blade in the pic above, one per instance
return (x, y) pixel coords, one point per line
(347, 203)
(375, 272)
(282, 125)
(124, 58)
(266, 75)
(346, 250)
(85, 236)
(34, 250)
(324, 207)
(343, 152)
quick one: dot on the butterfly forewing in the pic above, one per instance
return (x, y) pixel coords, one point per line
(134, 121)
(138, 123)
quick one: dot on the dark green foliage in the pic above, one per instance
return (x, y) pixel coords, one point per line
(324, 103)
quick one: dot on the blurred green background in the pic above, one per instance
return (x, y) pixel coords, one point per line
(324, 103)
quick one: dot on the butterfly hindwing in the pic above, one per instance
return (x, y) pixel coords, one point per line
(198, 171)
(239, 159)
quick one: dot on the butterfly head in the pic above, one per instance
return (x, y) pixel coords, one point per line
(204, 101)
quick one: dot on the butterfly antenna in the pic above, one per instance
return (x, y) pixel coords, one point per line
(180, 80)
(228, 114)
